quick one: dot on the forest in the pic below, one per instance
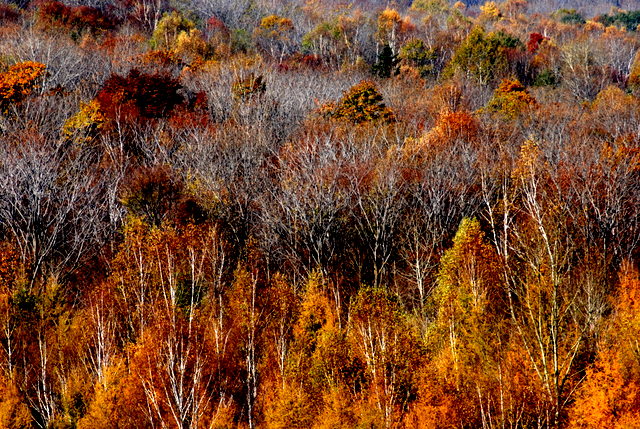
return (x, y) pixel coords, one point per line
(319, 214)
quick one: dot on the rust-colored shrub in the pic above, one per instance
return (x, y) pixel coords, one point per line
(139, 96)
(56, 15)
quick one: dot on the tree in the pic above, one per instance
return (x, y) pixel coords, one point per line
(416, 54)
(388, 348)
(468, 332)
(178, 37)
(378, 202)
(386, 63)
(583, 70)
(361, 103)
(51, 205)
(336, 40)
(609, 397)
(304, 215)
(19, 82)
(482, 56)
(391, 27)
(511, 98)
(52, 15)
(152, 194)
(138, 96)
(169, 29)
(14, 413)
(275, 32)
(545, 299)
(245, 307)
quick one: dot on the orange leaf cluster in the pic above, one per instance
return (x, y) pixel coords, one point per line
(19, 81)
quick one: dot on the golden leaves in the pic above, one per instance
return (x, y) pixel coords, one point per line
(528, 162)
(85, 123)
(361, 103)
(510, 99)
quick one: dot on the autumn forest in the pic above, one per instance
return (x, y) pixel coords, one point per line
(319, 214)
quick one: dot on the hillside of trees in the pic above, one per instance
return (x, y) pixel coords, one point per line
(319, 214)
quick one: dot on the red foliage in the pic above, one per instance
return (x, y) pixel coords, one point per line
(194, 114)
(215, 25)
(300, 61)
(8, 13)
(54, 14)
(534, 42)
(139, 96)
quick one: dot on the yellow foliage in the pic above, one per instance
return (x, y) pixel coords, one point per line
(634, 73)
(469, 270)
(430, 6)
(292, 409)
(510, 99)
(337, 412)
(82, 126)
(528, 162)
(168, 29)
(614, 101)
(490, 10)
(361, 103)
(388, 18)
(190, 45)
(389, 24)
(593, 26)
(612, 30)
(316, 311)
(275, 27)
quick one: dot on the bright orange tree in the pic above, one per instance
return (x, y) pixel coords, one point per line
(19, 82)
(609, 398)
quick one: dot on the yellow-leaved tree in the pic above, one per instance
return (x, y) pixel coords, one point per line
(460, 386)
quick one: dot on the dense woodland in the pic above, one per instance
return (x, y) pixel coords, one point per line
(320, 214)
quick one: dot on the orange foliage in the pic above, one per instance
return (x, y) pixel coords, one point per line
(450, 127)
(14, 412)
(609, 398)
(19, 81)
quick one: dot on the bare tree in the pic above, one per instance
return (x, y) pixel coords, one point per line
(49, 204)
